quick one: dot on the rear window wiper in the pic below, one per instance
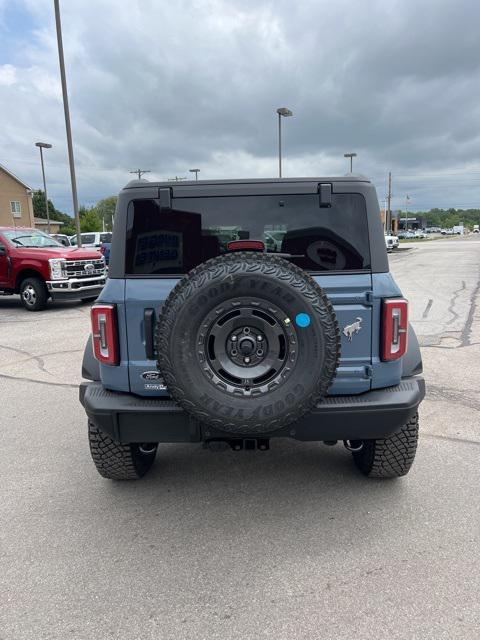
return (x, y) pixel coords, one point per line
(286, 255)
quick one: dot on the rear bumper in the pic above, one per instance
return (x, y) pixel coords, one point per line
(374, 414)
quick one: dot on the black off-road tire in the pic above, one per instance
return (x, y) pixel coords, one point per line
(389, 457)
(251, 282)
(117, 461)
(33, 294)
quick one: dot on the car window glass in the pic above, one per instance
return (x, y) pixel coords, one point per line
(174, 241)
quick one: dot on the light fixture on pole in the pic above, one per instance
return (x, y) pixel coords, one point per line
(68, 128)
(41, 146)
(285, 113)
(196, 172)
(351, 156)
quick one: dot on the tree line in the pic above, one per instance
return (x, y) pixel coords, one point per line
(96, 218)
(448, 218)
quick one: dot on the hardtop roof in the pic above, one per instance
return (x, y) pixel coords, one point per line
(138, 184)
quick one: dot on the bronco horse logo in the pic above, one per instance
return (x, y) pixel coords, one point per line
(351, 329)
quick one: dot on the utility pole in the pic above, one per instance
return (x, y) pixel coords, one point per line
(196, 172)
(68, 128)
(389, 201)
(140, 172)
(41, 146)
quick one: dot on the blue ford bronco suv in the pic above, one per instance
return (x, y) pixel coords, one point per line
(239, 311)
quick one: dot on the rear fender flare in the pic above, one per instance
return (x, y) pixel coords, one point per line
(412, 360)
(90, 366)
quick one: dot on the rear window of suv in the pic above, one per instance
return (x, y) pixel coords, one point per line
(173, 241)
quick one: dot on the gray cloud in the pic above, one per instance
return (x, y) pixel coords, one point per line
(168, 86)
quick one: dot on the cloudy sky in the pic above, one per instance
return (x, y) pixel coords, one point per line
(170, 86)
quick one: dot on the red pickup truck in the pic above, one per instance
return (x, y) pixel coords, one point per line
(37, 267)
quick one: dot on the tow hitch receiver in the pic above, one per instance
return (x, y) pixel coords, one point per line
(238, 444)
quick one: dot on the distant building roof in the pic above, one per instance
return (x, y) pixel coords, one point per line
(44, 221)
(12, 175)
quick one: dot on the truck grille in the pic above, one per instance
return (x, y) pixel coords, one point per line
(79, 268)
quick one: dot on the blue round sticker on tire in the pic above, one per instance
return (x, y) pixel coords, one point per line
(302, 320)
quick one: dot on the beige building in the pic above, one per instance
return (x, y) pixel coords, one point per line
(42, 224)
(16, 207)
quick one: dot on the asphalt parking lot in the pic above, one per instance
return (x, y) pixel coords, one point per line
(291, 543)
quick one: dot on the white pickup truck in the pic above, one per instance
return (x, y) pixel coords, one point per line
(391, 241)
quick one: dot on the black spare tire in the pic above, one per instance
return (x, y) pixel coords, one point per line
(247, 343)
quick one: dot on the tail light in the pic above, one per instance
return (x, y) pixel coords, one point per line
(105, 334)
(394, 328)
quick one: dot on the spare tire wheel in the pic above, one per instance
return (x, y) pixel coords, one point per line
(247, 343)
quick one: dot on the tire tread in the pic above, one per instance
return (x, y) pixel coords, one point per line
(114, 460)
(389, 457)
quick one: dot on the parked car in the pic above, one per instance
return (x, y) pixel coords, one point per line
(419, 233)
(237, 348)
(92, 238)
(37, 267)
(476, 228)
(391, 241)
(406, 235)
(105, 251)
(61, 238)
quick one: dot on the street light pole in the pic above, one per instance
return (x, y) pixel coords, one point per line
(196, 172)
(351, 156)
(282, 111)
(44, 145)
(279, 146)
(68, 128)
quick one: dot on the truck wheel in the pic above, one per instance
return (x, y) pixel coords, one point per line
(248, 343)
(117, 461)
(389, 457)
(34, 294)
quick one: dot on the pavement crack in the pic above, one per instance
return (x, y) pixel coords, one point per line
(453, 301)
(451, 438)
(467, 328)
(437, 392)
(427, 308)
(44, 382)
(40, 362)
